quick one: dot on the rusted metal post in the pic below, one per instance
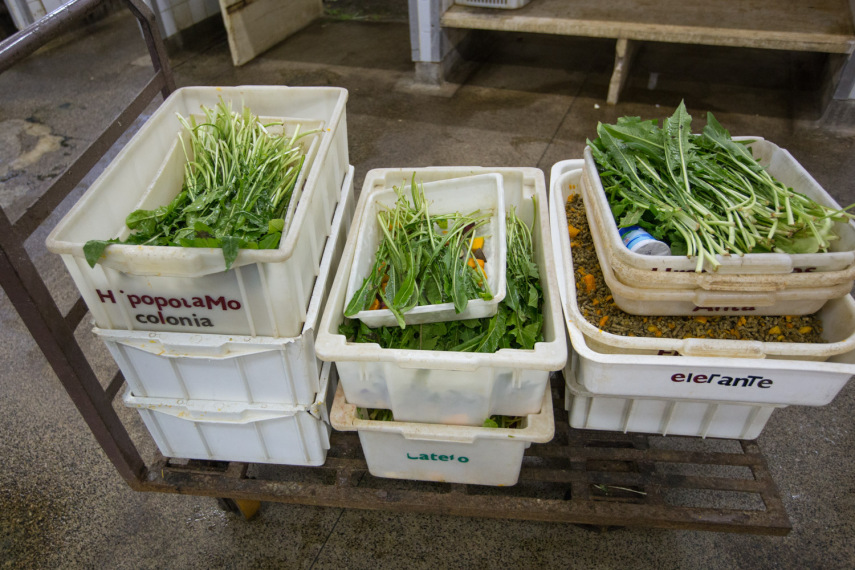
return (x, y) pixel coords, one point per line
(52, 331)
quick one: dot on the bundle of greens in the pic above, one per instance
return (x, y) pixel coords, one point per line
(424, 259)
(705, 193)
(238, 182)
(518, 322)
(384, 415)
(504, 422)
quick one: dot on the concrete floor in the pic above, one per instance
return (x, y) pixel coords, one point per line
(531, 102)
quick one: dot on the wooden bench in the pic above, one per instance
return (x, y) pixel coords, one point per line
(817, 26)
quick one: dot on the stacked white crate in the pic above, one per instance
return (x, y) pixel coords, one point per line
(754, 283)
(245, 386)
(697, 387)
(237, 398)
(440, 399)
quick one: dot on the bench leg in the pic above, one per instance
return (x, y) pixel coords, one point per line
(624, 52)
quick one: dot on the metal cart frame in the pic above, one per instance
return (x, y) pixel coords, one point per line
(589, 478)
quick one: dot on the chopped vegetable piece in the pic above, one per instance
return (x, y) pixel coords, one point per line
(590, 284)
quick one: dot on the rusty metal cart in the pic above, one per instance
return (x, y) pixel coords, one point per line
(589, 478)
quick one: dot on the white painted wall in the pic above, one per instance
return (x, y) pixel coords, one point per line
(177, 15)
(173, 15)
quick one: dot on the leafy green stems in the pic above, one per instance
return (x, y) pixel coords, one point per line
(495, 421)
(423, 259)
(705, 194)
(518, 323)
(238, 180)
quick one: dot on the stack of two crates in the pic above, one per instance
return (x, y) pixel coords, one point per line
(702, 386)
(220, 363)
(440, 399)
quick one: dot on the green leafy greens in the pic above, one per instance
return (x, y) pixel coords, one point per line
(495, 421)
(504, 422)
(517, 324)
(704, 193)
(238, 181)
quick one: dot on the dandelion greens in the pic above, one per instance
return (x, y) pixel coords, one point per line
(518, 323)
(704, 193)
(423, 259)
(238, 180)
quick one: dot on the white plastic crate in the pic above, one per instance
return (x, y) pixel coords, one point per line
(445, 453)
(754, 294)
(482, 192)
(752, 270)
(664, 417)
(695, 302)
(187, 290)
(257, 370)
(451, 387)
(239, 431)
(837, 316)
(712, 378)
(505, 4)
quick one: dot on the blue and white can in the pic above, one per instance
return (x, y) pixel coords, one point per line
(638, 240)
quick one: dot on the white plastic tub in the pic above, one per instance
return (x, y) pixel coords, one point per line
(239, 431)
(695, 302)
(639, 300)
(482, 192)
(662, 416)
(837, 316)
(445, 453)
(255, 370)
(710, 378)
(670, 272)
(450, 387)
(187, 290)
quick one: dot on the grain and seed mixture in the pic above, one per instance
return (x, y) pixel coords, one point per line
(596, 304)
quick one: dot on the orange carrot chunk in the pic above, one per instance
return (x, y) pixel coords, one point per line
(589, 282)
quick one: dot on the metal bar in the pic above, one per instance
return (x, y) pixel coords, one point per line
(772, 500)
(658, 455)
(604, 512)
(154, 41)
(115, 385)
(22, 44)
(53, 332)
(639, 480)
(76, 314)
(71, 177)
